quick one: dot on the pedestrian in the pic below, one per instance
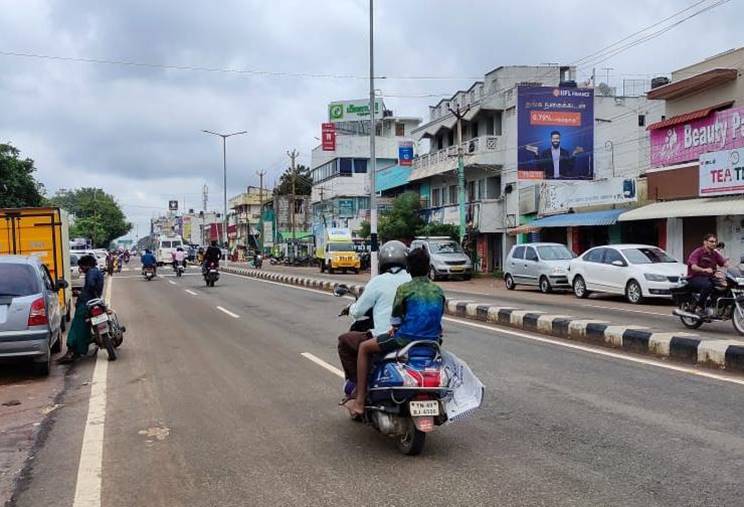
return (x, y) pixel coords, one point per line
(78, 338)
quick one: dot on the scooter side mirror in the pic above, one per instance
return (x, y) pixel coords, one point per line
(340, 290)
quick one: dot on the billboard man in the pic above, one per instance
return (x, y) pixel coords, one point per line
(556, 162)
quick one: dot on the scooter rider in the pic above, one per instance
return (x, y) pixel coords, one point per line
(179, 258)
(212, 255)
(149, 261)
(378, 295)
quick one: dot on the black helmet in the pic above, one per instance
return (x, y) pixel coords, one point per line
(393, 253)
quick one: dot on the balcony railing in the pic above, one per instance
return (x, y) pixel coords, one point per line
(475, 146)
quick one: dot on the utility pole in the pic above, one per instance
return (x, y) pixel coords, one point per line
(374, 270)
(260, 210)
(460, 168)
(293, 156)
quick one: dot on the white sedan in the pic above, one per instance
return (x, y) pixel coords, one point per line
(636, 271)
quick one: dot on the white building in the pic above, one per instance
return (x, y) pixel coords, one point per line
(340, 191)
(496, 203)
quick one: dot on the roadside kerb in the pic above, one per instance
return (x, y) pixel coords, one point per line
(677, 346)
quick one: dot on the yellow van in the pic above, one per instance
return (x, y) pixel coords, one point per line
(44, 233)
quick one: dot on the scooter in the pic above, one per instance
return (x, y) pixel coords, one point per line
(148, 272)
(409, 389)
(105, 328)
(179, 267)
(211, 274)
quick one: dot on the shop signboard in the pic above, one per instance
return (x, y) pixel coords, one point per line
(555, 133)
(405, 153)
(353, 110)
(688, 141)
(392, 177)
(172, 205)
(722, 173)
(346, 207)
(328, 135)
(560, 196)
(268, 234)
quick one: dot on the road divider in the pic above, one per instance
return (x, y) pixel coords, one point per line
(674, 345)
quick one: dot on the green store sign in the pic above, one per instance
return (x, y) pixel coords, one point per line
(352, 110)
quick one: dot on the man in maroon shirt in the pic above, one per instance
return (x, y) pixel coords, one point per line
(701, 268)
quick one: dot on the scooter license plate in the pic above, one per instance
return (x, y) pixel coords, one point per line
(423, 408)
(98, 319)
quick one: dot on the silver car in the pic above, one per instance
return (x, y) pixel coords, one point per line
(447, 258)
(30, 316)
(544, 265)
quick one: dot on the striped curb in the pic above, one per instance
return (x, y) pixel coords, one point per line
(677, 346)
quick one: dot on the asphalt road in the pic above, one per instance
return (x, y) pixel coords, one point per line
(655, 314)
(205, 408)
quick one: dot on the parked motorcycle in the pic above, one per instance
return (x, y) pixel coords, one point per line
(726, 302)
(105, 328)
(410, 388)
(211, 274)
(148, 272)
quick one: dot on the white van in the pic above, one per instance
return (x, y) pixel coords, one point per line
(165, 247)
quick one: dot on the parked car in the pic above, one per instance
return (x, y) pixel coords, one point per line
(99, 254)
(636, 271)
(446, 257)
(30, 312)
(544, 265)
(76, 281)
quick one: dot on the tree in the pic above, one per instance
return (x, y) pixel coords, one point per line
(303, 182)
(364, 229)
(18, 187)
(403, 220)
(96, 213)
(437, 229)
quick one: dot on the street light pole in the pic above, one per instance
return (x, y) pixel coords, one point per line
(372, 153)
(224, 176)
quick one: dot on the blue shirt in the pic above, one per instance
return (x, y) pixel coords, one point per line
(379, 294)
(93, 287)
(418, 310)
(149, 259)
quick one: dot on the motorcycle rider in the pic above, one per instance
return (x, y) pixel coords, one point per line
(78, 338)
(416, 315)
(701, 269)
(378, 296)
(212, 255)
(149, 261)
(179, 257)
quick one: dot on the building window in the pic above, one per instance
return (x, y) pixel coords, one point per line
(298, 206)
(493, 187)
(440, 142)
(641, 120)
(360, 165)
(480, 192)
(345, 167)
(474, 129)
(435, 198)
(471, 191)
(453, 194)
(400, 130)
(451, 138)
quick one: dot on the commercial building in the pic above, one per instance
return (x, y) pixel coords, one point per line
(340, 181)
(243, 219)
(500, 207)
(281, 231)
(696, 173)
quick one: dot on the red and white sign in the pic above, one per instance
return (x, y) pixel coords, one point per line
(328, 136)
(722, 173)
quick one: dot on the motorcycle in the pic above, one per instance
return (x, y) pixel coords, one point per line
(211, 274)
(726, 302)
(148, 272)
(411, 389)
(179, 268)
(258, 261)
(105, 328)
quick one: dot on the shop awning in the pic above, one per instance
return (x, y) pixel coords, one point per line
(703, 207)
(689, 116)
(587, 218)
(692, 84)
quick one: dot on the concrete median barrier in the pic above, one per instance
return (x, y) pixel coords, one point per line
(676, 345)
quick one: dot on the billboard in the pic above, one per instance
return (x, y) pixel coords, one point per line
(328, 136)
(560, 196)
(405, 153)
(555, 133)
(172, 205)
(686, 141)
(722, 173)
(353, 110)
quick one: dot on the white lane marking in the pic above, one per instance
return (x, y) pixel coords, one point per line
(191, 292)
(89, 476)
(602, 352)
(172, 282)
(560, 343)
(231, 314)
(323, 364)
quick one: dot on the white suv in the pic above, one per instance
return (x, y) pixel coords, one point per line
(636, 271)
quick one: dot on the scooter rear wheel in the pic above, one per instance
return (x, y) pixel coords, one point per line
(412, 443)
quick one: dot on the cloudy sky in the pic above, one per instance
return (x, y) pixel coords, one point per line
(134, 130)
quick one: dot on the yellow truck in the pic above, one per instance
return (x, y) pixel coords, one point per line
(335, 251)
(44, 233)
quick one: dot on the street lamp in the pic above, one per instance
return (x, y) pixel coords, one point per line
(224, 174)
